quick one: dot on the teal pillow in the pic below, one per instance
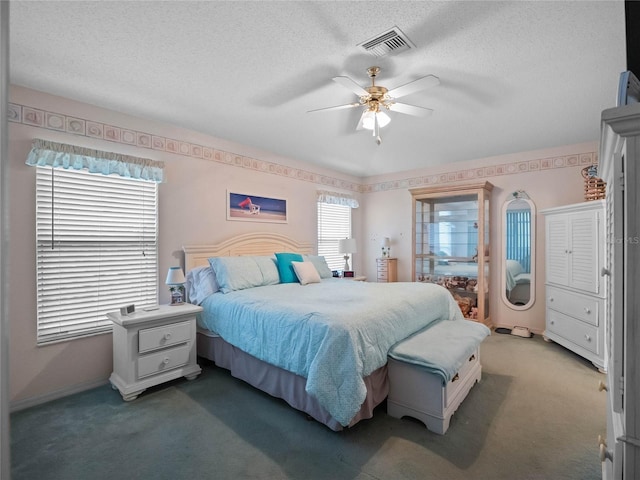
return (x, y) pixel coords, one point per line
(285, 269)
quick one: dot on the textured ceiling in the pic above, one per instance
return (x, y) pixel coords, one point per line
(515, 76)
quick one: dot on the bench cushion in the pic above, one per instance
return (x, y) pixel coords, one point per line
(441, 348)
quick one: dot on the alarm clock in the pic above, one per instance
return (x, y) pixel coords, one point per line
(127, 310)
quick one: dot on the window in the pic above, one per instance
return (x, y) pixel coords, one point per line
(96, 249)
(334, 223)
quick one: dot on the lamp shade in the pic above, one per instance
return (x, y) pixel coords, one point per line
(368, 121)
(347, 245)
(386, 242)
(175, 276)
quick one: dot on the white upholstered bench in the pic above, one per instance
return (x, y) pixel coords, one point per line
(419, 388)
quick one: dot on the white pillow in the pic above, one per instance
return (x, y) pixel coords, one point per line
(306, 272)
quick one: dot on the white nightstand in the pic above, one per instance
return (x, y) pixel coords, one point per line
(356, 279)
(153, 347)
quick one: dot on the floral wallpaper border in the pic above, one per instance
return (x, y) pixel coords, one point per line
(471, 174)
(35, 117)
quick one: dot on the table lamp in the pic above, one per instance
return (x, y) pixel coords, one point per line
(347, 246)
(386, 247)
(175, 280)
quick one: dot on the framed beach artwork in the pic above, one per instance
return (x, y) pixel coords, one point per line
(245, 207)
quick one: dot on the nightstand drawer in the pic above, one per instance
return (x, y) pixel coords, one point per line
(163, 360)
(159, 337)
(383, 267)
(383, 275)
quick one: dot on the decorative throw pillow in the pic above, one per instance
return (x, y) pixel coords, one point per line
(285, 269)
(321, 265)
(306, 272)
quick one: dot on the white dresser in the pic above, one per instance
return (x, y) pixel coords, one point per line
(574, 244)
(153, 347)
(619, 157)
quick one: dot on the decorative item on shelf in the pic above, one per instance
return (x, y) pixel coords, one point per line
(347, 246)
(386, 247)
(465, 304)
(175, 281)
(594, 187)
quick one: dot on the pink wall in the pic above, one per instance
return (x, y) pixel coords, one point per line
(192, 207)
(199, 170)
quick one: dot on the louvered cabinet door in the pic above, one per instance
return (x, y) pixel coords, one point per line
(557, 244)
(574, 246)
(584, 251)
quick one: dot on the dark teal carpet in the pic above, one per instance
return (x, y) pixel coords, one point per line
(535, 415)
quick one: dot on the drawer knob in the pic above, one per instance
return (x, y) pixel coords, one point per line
(587, 310)
(166, 360)
(551, 299)
(602, 386)
(587, 338)
(455, 378)
(552, 322)
(167, 336)
(472, 358)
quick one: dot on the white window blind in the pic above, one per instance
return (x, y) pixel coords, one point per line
(334, 223)
(96, 250)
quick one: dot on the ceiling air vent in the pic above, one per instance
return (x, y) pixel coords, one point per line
(392, 41)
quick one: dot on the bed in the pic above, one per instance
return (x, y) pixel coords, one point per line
(325, 358)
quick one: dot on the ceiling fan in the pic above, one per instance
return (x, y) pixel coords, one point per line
(376, 98)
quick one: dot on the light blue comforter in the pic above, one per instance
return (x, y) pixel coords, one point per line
(333, 333)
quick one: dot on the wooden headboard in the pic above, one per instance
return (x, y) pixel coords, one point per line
(247, 244)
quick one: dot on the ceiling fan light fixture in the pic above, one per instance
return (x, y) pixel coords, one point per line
(368, 119)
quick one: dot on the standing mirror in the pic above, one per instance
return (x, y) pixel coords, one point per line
(518, 251)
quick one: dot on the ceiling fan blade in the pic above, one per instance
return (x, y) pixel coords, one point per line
(351, 85)
(410, 109)
(415, 86)
(337, 107)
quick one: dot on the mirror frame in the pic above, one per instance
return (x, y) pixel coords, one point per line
(518, 196)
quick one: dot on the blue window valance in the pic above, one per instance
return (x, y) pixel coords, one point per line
(336, 198)
(53, 154)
